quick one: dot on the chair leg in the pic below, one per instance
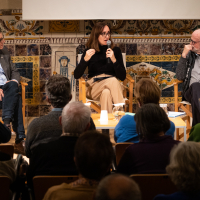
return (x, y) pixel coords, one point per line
(177, 134)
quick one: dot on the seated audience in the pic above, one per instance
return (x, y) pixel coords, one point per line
(146, 91)
(184, 171)
(117, 187)
(93, 157)
(5, 133)
(7, 167)
(57, 156)
(195, 133)
(151, 154)
(46, 128)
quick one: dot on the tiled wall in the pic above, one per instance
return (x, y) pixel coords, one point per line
(142, 41)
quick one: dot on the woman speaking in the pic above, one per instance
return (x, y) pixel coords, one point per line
(105, 66)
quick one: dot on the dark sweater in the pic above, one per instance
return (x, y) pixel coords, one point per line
(147, 157)
(45, 129)
(53, 158)
(98, 64)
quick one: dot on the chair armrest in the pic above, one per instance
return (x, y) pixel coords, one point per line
(177, 82)
(129, 78)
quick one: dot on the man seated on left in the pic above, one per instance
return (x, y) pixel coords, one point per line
(10, 100)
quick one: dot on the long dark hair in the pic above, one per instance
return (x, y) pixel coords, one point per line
(93, 42)
(150, 120)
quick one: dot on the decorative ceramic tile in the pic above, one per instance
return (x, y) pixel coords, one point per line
(122, 47)
(20, 50)
(155, 49)
(44, 109)
(45, 74)
(117, 27)
(10, 49)
(66, 26)
(168, 49)
(80, 49)
(43, 99)
(131, 49)
(32, 73)
(42, 86)
(45, 49)
(45, 61)
(152, 58)
(33, 111)
(178, 48)
(16, 26)
(143, 49)
(162, 77)
(33, 50)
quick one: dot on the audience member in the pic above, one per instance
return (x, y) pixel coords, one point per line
(57, 157)
(151, 154)
(146, 91)
(7, 167)
(46, 128)
(93, 157)
(195, 133)
(117, 187)
(5, 133)
(184, 171)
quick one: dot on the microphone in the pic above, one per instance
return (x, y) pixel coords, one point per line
(108, 44)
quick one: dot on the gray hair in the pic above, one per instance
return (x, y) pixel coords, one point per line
(118, 187)
(184, 167)
(75, 117)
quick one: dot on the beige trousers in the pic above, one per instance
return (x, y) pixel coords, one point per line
(108, 91)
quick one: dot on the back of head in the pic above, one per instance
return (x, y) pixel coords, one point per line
(184, 167)
(151, 120)
(118, 187)
(93, 154)
(58, 90)
(147, 91)
(75, 118)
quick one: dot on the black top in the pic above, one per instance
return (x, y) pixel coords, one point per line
(53, 158)
(98, 64)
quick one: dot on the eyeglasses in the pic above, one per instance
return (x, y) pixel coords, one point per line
(193, 42)
(104, 34)
(1, 39)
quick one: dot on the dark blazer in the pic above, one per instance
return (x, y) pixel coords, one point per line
(8, 66)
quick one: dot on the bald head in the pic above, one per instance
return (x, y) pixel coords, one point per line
(117, 187)
(196, 34)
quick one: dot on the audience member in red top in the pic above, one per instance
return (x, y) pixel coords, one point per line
(151, 154)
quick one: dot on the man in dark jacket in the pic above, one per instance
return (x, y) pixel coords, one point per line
(10, 100)
(188, 70)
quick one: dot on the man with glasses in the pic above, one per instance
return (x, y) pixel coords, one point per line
(10, 100)
(188, 70)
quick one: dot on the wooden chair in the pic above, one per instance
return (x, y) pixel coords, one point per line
(120, 149)
(5, 188)
(95, 106)
(23, 85)
(7, 148)
(184, 105)
(154, 184)
(42, 183)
